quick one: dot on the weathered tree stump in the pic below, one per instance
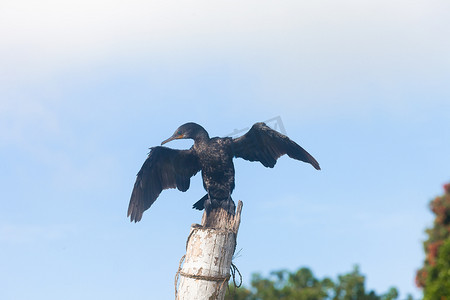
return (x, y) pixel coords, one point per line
(209, 250)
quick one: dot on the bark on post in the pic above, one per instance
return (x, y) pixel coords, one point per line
(209, 249)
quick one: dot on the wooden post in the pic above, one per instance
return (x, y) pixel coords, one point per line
(209, 249)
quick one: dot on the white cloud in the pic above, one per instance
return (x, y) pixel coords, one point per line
(310, 56)
(54, 31)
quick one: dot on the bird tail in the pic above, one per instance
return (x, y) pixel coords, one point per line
(200, 204)
(227, 204)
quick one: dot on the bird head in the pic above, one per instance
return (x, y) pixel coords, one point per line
(188, 131)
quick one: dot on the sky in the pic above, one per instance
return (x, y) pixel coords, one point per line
(86, 87)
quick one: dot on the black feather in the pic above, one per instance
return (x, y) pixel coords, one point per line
(263, 144)
(164, 168)
(167, 168)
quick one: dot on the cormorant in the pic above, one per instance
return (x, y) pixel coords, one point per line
(167, 168)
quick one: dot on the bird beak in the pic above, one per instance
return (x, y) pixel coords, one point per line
(173, 137)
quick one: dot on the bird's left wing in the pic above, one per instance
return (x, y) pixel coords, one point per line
(263, 144)
(164, 168)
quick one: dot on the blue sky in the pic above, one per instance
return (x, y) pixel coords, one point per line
(87, 86)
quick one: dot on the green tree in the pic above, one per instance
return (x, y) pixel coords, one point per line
(303, 285)
(438, 235)
(350, 286)
(240, 293)
(438, 280)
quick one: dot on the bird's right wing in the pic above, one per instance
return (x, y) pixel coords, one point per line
(263, 144)
(164, 168)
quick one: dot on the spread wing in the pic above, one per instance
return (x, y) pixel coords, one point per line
(164, 168)
(261, 143)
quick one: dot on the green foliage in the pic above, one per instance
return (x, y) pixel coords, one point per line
(239, 294)
(302, 285)
(351, 286)
(438, 279)
(299, 285)
(437, 236)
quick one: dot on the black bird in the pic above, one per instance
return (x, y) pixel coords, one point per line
(167, 168)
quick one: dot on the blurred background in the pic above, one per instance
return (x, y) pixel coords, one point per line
(86, 87)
